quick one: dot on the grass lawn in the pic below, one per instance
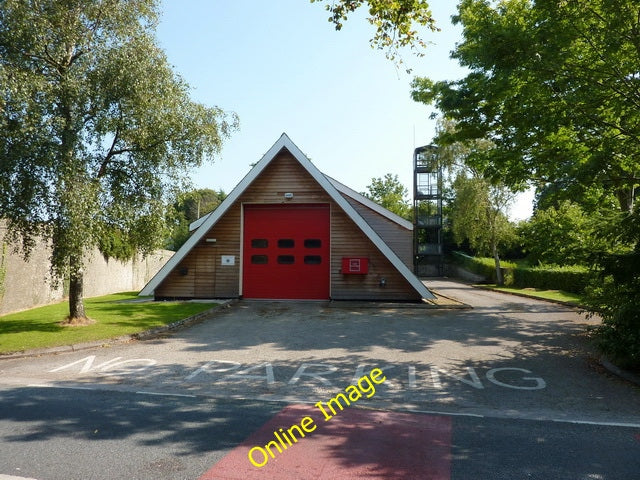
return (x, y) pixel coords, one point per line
(40, 327)
(555, 295)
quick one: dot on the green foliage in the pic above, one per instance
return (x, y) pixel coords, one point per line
(591, 198)
(116, 246)
(454, 155)
(187, 208)
(562, 236)
(616, 302)
(476, 205)
(477, 214)
(482, 266)
(568, 278)
(95, 129)
(554, 85)
(395, 22)
(198, 203)
(616, 295)
(389, 193)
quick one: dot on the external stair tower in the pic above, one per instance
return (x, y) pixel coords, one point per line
(427, 212)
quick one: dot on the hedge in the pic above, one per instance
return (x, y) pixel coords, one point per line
(572, 279)
(483, 266)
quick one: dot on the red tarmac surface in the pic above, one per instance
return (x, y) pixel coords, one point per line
(354, 444)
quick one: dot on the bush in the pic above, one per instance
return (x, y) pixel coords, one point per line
(615, 298)
(558, 235)
(572, 279)
(484, 266)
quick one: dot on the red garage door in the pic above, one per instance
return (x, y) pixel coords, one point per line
(286, 252)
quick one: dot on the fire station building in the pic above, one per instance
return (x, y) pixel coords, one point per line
(287, 231)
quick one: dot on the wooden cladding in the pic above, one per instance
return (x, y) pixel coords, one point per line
(347, 240)
(284, 175)
(398, 238)
(201, 274)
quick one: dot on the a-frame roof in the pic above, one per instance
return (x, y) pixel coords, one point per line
(284, 142)
(380, 210)
(349, 192)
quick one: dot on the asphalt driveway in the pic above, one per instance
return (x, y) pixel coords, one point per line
(505, 357)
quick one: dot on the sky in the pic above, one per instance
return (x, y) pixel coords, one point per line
(283, 68)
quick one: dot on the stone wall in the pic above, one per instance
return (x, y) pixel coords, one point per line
(25, 285)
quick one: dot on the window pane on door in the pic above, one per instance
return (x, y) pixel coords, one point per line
(312, 243)
(259, 259)
(286, 243)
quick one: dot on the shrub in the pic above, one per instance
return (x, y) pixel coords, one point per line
(484, 266)
(615, 298)
(558, 235)
(572, 278)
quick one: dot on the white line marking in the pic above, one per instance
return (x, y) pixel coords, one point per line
(275, 398)
(598, 424)
(9, 477)
(45, 385)
(76, 388)
(412, 376)
(448, 414)
(160, 394)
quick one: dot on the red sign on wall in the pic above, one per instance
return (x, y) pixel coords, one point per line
(355, 265)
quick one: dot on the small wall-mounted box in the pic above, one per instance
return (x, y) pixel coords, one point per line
(228, 260)
(355, 265)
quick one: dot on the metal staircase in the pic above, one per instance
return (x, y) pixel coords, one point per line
(427, 212)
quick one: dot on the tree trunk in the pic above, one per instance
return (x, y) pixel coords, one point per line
(626, 197)
(496, 257)
(76, 290)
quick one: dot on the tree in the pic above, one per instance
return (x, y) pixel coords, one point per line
(187, 208)
(475, 205)
(615, 294)
(592, 199)
(562, 235)
(478, 214)
(395, 22)
(555, 86)
(95, 129)
(389, 193)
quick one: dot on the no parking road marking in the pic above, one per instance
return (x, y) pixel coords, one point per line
(115, 366)
(431, 376)
(318, 372)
